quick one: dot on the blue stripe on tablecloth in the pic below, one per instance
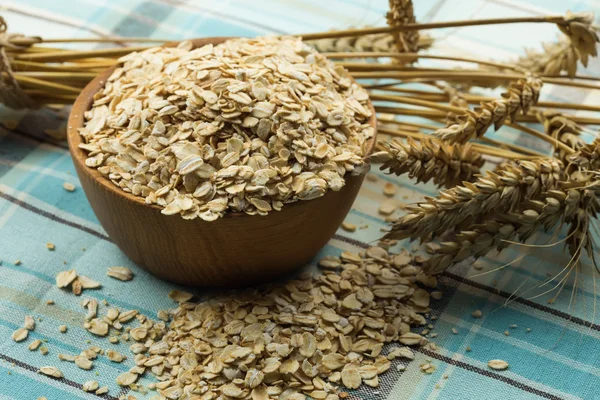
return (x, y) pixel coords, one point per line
(143, 19)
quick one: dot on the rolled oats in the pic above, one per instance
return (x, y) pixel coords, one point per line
(120, 273)
(300, 338)
(20, 334)
(499, 365)
(248, 125)
(51, 371)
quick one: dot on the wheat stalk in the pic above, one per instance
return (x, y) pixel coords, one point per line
(491, 193)
(430, 159)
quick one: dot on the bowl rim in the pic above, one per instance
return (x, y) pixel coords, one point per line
(85, 99)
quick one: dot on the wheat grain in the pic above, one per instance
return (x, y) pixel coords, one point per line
(518, 98)
(430, 159)
(494, 192)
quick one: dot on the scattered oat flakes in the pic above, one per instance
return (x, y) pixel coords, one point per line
(90, 386)
(468, 348)
(51, 371)
(69, 187)
(454, 331)
(180, 296)
(17, 262)
(372, 177)
(33, 346)
(88, 283)
(29, 323)
(20, 334)
(477, 314)
(102, 390)
(347, 226)
(403, 352)
(44, 350)
(126, 378)
(297, 308)
(65, 278)
(506, 333)
(389, 189)
(528, 330)
(120, 273)
(50, 246)
(114, 356)
(97, 327)
(427, 368)
(83, 362)
(49, 302)
(499, 365)
(62, 328)
(387, 207)
(513, 326)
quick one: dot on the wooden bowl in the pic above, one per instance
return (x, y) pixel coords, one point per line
(235, 250)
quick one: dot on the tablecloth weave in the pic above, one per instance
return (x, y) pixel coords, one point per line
(558, 357)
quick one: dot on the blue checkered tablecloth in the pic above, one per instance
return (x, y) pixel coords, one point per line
(553, 349)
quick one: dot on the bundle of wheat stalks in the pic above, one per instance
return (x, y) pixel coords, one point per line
(478, 212)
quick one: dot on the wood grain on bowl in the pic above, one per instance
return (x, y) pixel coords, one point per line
(235, 250)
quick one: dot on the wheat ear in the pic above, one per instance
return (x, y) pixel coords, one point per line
(463, 205)
(564, 206)
(430, 159)
(578, 44)
(518, 98)
(402, 13)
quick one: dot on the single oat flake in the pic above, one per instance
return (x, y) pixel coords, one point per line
(51, 371)
(20, 334)
(120, 273)
(499, 365)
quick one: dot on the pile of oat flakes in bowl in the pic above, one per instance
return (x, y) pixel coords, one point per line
(247, 125)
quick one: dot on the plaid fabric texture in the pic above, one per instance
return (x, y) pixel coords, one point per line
(556, 358)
